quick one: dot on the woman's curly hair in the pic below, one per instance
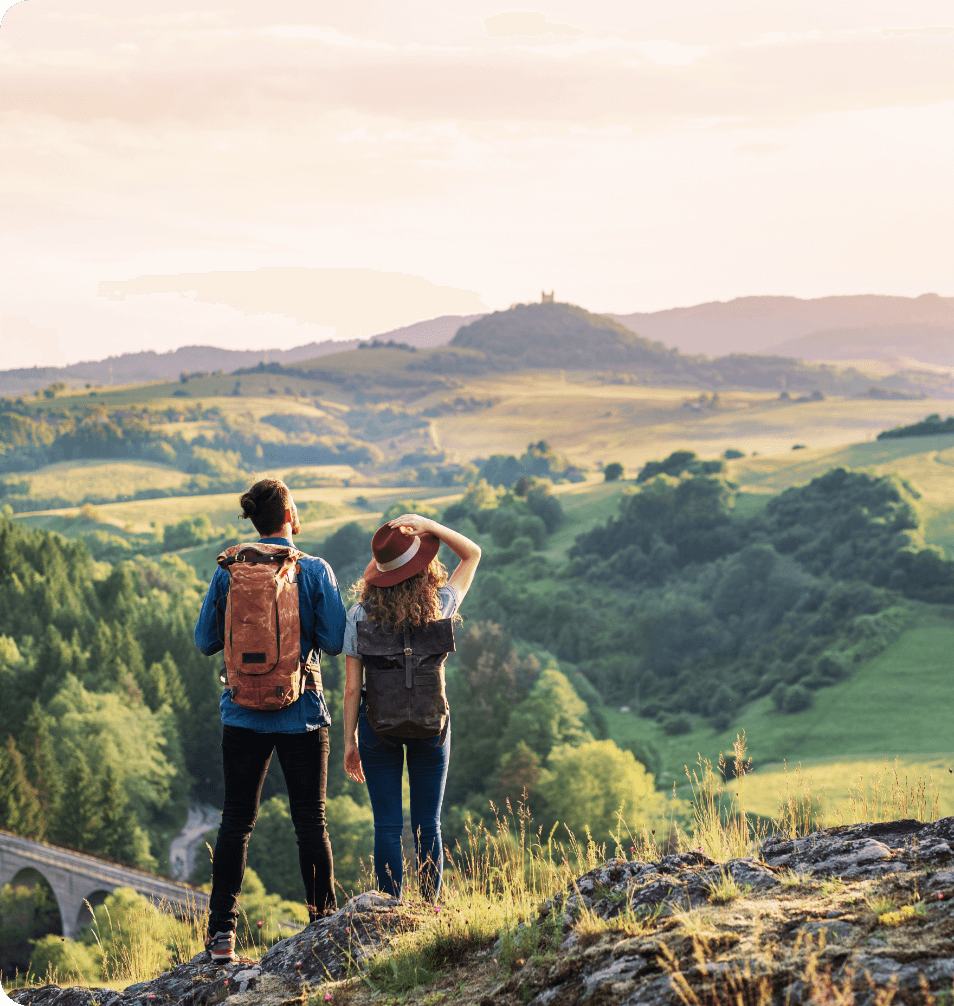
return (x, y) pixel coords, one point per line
(413, 601)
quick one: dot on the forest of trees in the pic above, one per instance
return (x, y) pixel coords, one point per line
(32, 435)
(106, 700)
(930, 426)
(679, 606)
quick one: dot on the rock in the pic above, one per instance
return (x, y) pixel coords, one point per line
(327, 950)
(53, 995)
(324, 951)
(832, 856)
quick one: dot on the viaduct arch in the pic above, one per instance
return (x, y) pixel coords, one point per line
(75, 878)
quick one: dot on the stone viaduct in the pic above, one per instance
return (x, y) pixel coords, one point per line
(76, 878)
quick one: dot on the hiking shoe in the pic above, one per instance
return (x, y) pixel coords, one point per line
(221, 947)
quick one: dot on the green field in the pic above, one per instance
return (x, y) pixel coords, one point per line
(222, 508)
(591, 421)
(77, 479)
(898, 703)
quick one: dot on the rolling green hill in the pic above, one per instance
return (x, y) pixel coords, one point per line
(896, 704)
(559, 335)
(927, 463)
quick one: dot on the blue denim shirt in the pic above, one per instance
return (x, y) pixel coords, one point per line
(322, 617)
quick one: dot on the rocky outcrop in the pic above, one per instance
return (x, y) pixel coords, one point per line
(323, 952)
(772, 928)
(799, 914)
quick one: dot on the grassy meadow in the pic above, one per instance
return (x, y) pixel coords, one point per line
(591, 421)
(101, 478)
(896, 704)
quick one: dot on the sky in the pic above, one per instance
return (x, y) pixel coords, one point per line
(447, 156)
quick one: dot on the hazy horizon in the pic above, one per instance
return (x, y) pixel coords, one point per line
(629, 157)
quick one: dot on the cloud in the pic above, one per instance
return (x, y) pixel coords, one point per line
(325, 35)
(889, 32)
(525, 23)
(284, 76)
(354, 302)
(761, 148)
(29, 345)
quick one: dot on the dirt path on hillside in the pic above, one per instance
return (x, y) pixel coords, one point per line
(202, 819)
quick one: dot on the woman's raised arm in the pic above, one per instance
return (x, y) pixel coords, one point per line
(468, 551)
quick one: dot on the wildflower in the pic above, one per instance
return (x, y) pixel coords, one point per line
(297, 964)
(260, 923)
(327, 996)
(940, 897)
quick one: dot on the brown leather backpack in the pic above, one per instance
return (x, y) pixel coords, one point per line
(262, 628)
(404, 677)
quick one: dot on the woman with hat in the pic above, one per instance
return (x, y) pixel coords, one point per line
(404, 588)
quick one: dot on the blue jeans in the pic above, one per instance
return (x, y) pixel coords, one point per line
(383, 762)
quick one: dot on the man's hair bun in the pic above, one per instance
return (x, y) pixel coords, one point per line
(265, 504)
(248, 506)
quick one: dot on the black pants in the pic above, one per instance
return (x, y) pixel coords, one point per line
(304, 762)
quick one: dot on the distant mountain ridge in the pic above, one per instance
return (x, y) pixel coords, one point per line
(932, 344)
(555, 335)
(131, 368)
(827, 328)
(767, 324)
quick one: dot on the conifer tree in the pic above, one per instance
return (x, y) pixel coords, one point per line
(20, 810)
(77, 822)
(40, 761)
(115, 820)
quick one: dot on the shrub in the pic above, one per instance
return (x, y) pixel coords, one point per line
(65, 962)
(612, 472)
(349, 546)
(585, 786)
(831, 667)
(534, 529)
(677, 724)
(503, 527)
(520, 548)
(798, 698)
(400, 507)
(546, 506)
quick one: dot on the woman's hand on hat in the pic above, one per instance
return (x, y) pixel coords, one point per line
(413, 524)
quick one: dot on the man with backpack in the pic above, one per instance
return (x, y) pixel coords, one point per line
(272, 609)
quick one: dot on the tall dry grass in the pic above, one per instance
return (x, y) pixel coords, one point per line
(495, 881)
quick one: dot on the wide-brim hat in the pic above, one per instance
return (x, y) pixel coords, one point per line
(398, 556)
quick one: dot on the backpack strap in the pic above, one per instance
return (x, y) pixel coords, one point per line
(408, 658)
(255, 554)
